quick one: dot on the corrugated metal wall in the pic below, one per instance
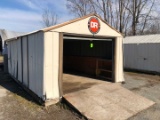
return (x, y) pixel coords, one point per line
(25, 63)
(142, 56)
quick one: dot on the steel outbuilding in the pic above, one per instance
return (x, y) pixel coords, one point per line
(6, 34)
(37, 60)
(141, 53)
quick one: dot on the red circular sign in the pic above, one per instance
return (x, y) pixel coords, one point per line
(94, 25)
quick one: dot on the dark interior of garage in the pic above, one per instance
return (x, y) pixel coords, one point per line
(93, 58)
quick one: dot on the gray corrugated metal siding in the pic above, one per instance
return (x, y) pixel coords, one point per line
(26, 61)
(142, 53)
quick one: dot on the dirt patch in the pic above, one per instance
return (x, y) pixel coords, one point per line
(73, 83)
(76, 86)
(140, 76)
(17, 104)
(149, 84)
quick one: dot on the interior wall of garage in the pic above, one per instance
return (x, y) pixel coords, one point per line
(80, 58)
(101, 49)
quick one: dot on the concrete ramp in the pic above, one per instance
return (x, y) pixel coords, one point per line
(108, 101)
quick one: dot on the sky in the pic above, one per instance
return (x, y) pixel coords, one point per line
(26, 15)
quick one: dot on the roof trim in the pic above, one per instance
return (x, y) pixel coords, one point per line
(23, 35)
(142, 39)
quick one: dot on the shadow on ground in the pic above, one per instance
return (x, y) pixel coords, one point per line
(11, 86)
(18, 104)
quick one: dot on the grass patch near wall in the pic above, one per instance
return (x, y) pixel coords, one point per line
(1, 59)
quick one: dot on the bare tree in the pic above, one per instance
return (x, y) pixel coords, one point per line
(124, 15)
(80, 7)
(128, 16)
(153, 27)
(147, 17)
(102, 7)
(140, 11)
(111, 12)
(49, 18)
(114, 12)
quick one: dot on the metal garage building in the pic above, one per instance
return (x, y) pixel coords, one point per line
(86, 45)
(142, 53)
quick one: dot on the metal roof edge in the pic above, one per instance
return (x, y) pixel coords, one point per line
(151, 38)
(141, 35)
(23, 35)
(67, 22)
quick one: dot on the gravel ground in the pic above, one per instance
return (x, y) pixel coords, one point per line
(16, 104)
(149, 87)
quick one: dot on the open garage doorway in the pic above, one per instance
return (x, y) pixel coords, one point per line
(87, 61)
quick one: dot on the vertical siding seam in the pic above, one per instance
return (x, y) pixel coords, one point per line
(22, 58)
(42, 77)
(44, 67)
(36, 71)
(27, 62)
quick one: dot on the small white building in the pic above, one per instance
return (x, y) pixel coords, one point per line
(87, 45)
(6, 34)
(142, 53)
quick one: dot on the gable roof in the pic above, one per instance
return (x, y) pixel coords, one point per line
(75, 20)
(67, 23)
(155, 38)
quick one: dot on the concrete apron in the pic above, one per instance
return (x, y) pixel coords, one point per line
(107, 101)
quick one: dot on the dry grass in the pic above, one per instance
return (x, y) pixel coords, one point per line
(1, 59)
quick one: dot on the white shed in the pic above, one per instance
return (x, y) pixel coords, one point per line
(86, 45)
(141, 53)
(6, 34)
